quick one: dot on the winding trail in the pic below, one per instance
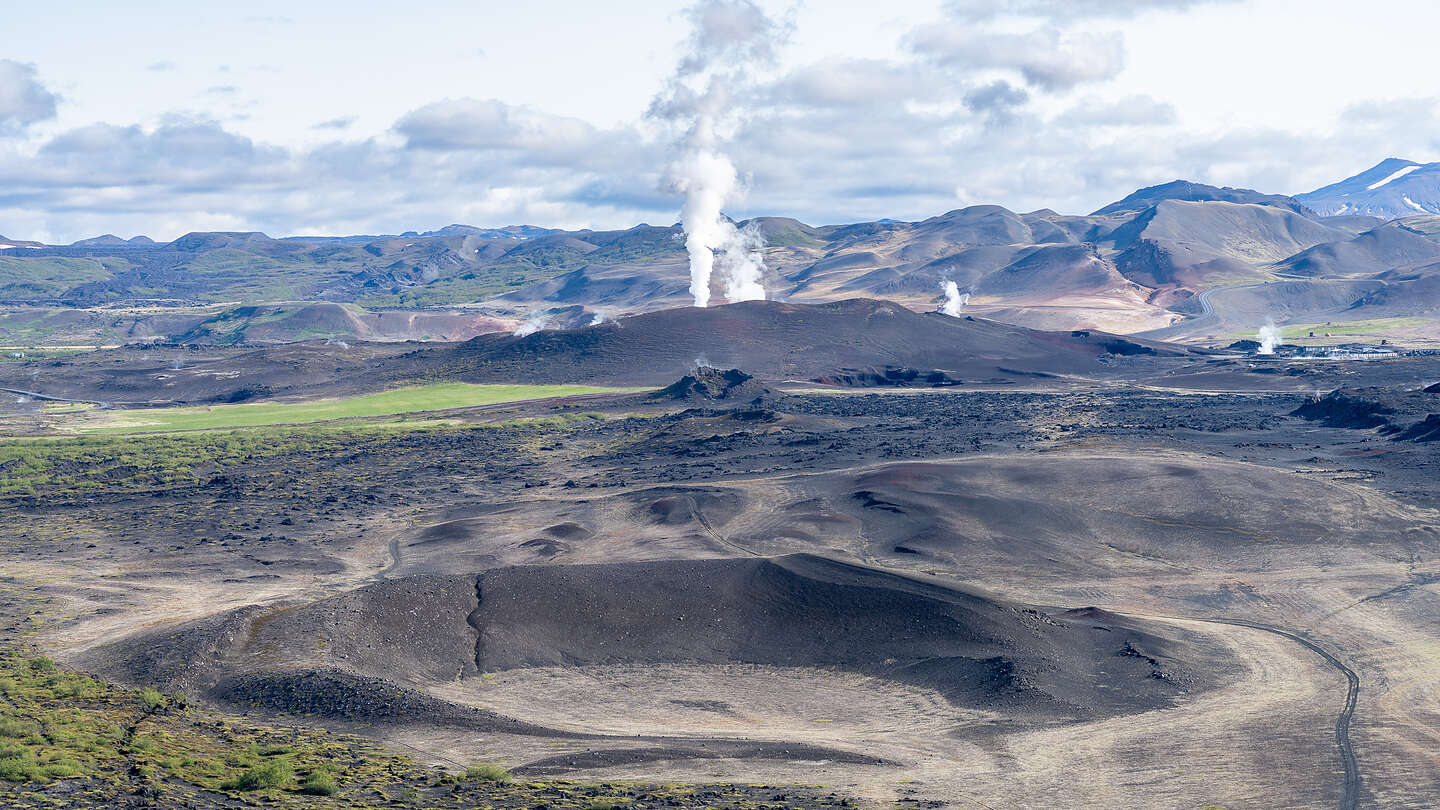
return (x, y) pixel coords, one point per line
(1206, 315)
(48, 398)
(394, 551)
(1350, 794)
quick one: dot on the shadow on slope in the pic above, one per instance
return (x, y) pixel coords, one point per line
(807, 611)
(368, 656)
(776, 341)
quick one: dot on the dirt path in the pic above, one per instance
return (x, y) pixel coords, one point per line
(1350, 795)
(48, 398)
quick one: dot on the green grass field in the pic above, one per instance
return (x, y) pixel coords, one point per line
(437, 397)
(1363, 331)
(24, 277)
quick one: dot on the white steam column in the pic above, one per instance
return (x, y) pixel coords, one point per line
(1269, 338)
(955, 300)
(727, 36)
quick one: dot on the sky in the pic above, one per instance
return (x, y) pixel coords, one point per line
(331, 118)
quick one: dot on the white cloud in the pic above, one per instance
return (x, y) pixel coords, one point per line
(986, 10)
(1131, 111)
(997, 101)
(176, 153)
(343, 122)
(530, 136)
(803, 156)
(844, 82)
(1048, 58)
(23, 99)
(729, 32)
(1010, 100)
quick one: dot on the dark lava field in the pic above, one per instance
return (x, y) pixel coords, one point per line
(853, 554)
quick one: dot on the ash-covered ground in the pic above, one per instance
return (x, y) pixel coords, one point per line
(1164, 573)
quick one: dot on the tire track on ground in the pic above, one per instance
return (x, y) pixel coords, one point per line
(1350, 793)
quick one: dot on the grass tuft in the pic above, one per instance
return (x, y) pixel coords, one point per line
(487, 772)
(319, 783)
(271, 774)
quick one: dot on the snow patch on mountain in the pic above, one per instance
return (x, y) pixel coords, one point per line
(1391, 189)
(1392, 178)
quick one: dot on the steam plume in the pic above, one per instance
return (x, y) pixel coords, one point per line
(955, 300)
(727, 37)
(1269, 338)
(536, 322)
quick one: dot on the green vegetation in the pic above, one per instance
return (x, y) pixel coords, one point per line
(529, 264)
(61, 725)
(218, 269)
(269, 774)
(27, 328)
(486, 772)
(470, 287)
(231, 274)
(1361, 331)
(32, 277)
(311, 321)
(1375, 327)
(319, 783)
(72, 467)
(790, 236)
(436, 397)
(253, 273)
(111, 743)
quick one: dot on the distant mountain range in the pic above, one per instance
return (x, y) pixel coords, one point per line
(1189, 260)
(520, 232)
(1391, 189)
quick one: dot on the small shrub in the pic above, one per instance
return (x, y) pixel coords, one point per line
(319, 783)
(485, 772)
(60, 735)
(42, 664)
(152, 697)
(10, 727)
(71, 687)
(61, 769)
(270, 774)
(19, 768)
(210, 767)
